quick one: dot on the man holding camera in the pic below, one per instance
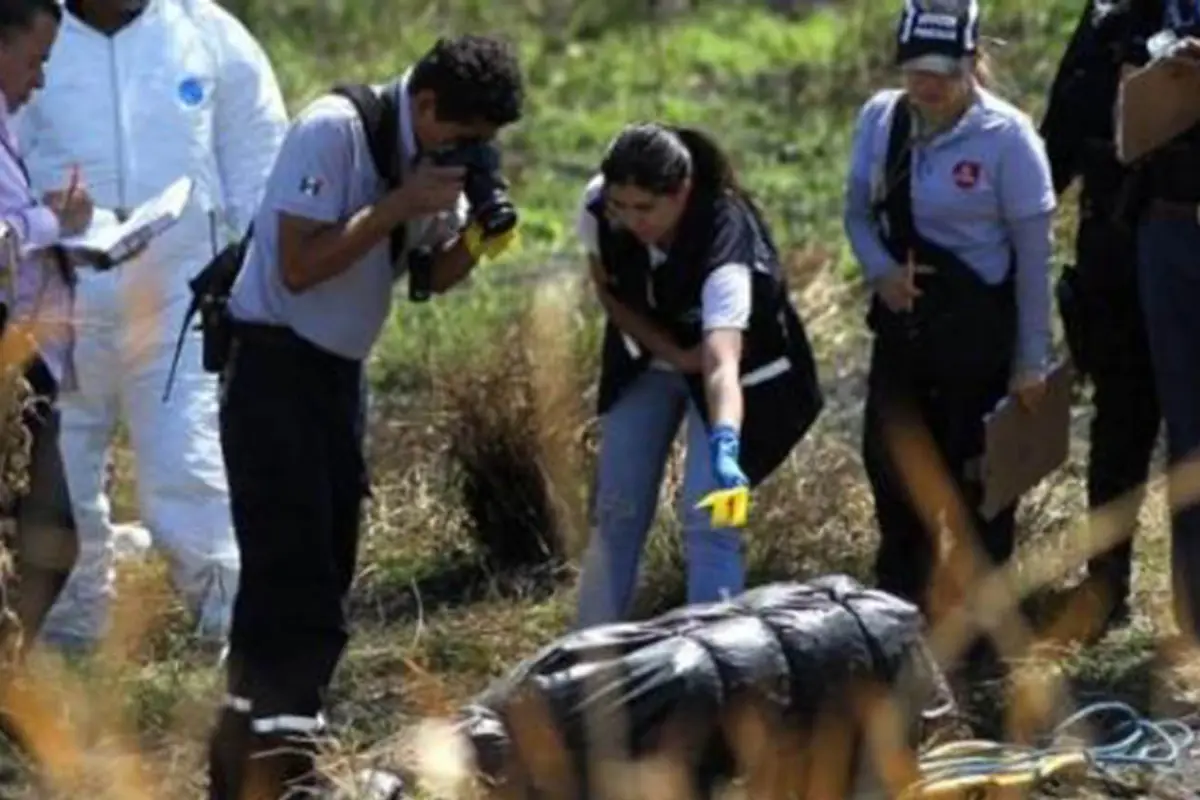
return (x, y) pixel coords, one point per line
(331, 237)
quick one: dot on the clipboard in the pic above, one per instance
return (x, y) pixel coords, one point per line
(1022, 447)
(1155, 103)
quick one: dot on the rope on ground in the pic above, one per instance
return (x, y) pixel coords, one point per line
(979, 769)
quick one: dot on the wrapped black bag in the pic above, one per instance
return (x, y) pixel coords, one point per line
(719, 690)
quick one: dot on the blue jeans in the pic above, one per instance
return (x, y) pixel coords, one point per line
(636, 436)
(1169, 280)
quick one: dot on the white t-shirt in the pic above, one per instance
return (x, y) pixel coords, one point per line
(725, 299)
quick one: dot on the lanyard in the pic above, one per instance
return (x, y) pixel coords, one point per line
(64, 270)
(20, 162)
(11, 256)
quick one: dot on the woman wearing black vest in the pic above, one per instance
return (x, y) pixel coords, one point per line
(949, 208)
(698, 324)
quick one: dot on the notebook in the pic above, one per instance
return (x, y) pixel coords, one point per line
(107, 241)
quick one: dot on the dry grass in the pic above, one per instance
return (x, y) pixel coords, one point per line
(480, 507)
(453, 593)
(812, 517)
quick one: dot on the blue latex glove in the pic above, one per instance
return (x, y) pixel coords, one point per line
(723, 446)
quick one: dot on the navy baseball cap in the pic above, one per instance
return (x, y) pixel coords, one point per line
(937, 35)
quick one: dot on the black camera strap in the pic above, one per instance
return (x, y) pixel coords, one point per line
(380, 115)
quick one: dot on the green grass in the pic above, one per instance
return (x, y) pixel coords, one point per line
(435, 618)
(780, 95)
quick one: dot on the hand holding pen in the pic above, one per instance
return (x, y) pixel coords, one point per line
(72, 205)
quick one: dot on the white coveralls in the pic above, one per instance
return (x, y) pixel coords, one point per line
(184, 89)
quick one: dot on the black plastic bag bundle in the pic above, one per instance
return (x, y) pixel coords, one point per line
(786, 657)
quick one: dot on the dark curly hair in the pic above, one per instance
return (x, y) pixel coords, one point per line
(474, 78)
(17, 16)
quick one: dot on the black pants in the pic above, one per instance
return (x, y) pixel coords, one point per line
(291, 431)
(1127, 417)
(951, 412)
(47, 542)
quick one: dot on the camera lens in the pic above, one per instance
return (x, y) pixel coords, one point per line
(484, 186)
(490, 203)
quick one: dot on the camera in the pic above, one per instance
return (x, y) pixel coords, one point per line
(484, 186)
(487, 195)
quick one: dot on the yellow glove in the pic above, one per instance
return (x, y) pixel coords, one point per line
(479, 247)
(729, 507)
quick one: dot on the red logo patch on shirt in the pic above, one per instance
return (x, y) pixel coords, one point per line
(966, 174)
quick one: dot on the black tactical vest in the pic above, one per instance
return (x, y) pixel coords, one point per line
(781, 393)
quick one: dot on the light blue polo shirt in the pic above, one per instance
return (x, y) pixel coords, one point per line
(324, 172)
(981, 189)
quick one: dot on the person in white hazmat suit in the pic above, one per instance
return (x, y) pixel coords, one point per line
(137, 94)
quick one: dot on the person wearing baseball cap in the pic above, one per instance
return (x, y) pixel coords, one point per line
(948, 210)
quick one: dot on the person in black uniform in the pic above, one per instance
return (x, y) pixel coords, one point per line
(1098, 297)
(337, 227)
(1164, 202)
(699, 325)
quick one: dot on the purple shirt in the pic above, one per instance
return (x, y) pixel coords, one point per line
(42, 297)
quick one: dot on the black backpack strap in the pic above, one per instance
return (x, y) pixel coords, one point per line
(960, 326)
(901, 236)
(380, 115)
(897, 171)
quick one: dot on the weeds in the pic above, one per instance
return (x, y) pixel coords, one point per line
(494, 447)
(483, 426)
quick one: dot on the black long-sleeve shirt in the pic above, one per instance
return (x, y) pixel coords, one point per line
(1078, 125)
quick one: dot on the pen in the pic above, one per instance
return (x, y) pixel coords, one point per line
(72, 185)
(73, 181)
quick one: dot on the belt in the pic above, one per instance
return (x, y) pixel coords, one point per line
(1173, 210)
(265, 332)
(284, 337)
